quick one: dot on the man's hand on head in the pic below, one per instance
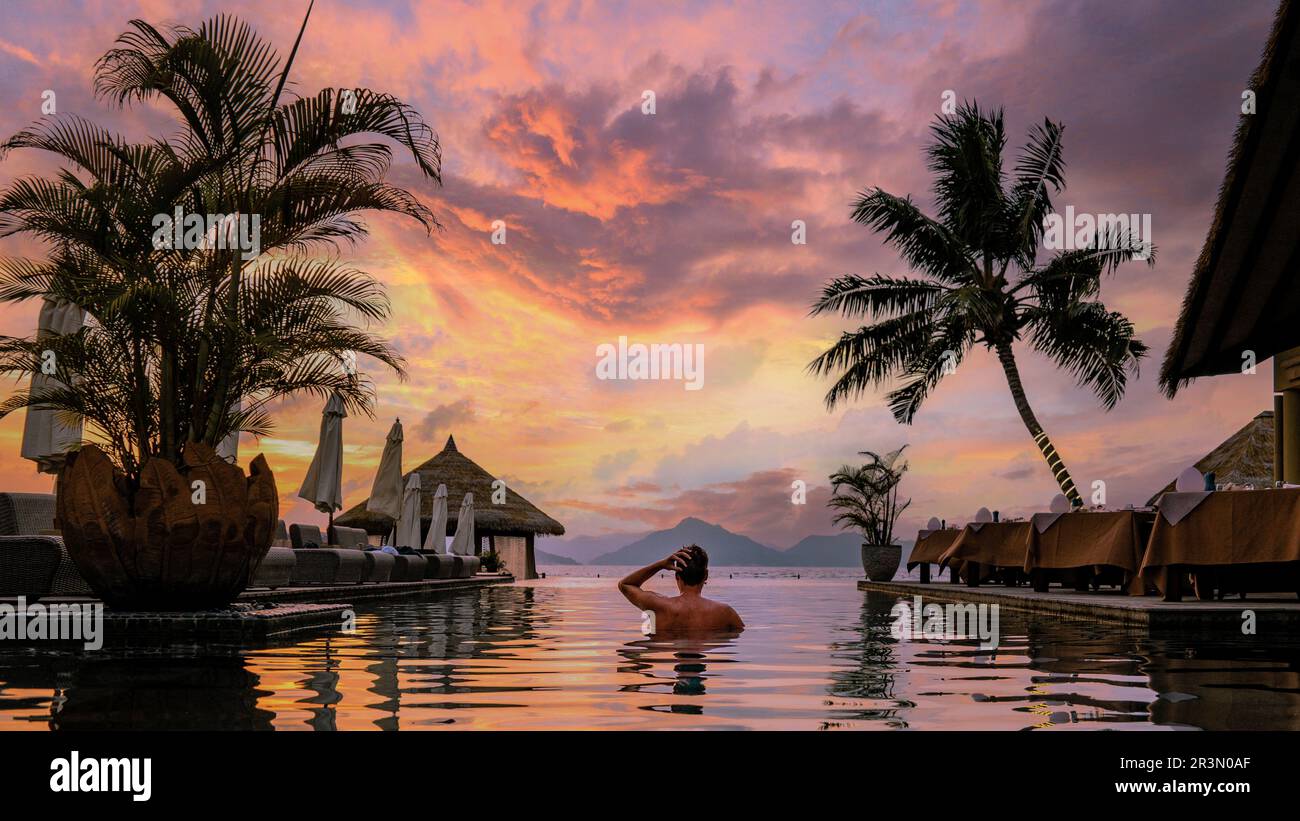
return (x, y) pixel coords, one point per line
(677, 561)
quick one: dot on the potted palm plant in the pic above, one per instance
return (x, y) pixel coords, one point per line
(188, 254)
(866, 497)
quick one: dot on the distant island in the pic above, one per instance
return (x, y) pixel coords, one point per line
(725, 548)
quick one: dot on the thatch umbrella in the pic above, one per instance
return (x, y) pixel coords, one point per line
(1244, 458)
(408, 526)
(436, 539)
(323, 485)
(46, 440)
(462, 543)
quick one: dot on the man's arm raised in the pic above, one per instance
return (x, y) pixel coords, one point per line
(630, 585)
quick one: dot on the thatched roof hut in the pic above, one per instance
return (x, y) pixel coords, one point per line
(510, 526)
(1244, 294)
(1245, 457)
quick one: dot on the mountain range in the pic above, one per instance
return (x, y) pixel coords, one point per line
(725, 548)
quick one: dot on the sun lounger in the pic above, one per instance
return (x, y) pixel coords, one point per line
(32, 515)
(439, 566)
(466, 567)
(318, 563)
(410, 567)
(379, 565)
(276, 568)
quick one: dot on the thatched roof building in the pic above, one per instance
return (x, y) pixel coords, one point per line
(510, 527)
(1245, 457)
(1243, 301)
(1244, 292)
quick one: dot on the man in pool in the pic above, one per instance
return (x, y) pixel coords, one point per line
(688, 610)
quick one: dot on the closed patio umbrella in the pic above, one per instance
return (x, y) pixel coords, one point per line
(408, 526)
(386, 494)
(463, 543)
(46, 440)
(435, 541)
(323, 485)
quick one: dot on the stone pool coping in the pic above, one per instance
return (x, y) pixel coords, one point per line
(260, 615)
(1271, 611)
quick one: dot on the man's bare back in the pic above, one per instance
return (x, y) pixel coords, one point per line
(688, 611)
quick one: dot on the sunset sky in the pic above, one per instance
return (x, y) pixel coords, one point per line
(675, 227)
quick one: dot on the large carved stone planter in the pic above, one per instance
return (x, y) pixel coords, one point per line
(167, 552)
(880, 561)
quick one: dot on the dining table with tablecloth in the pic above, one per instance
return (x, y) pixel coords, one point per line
(1250, 536)
(1089, 539)
(983, 546)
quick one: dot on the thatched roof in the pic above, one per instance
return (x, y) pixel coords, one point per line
(516, 516)
(1244, 293)
(1245, 457)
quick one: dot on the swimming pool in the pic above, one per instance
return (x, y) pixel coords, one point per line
(566, 652)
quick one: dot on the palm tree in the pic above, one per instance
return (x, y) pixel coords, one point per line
(188, 344)
(981, 282)
(866, 496)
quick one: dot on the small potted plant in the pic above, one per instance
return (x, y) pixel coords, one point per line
(866, 498)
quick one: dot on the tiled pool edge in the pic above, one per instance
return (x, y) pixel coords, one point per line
(381, 590)
(1143, 612)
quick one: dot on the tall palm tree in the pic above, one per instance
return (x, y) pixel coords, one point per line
(190, 344)
(981, 282)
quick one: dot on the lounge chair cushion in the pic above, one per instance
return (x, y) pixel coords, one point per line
(276, 569)
(328, 565)
(379, 565)
(466, 567)
(410, 567)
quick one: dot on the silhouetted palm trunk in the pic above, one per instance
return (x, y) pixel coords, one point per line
(1045, 446)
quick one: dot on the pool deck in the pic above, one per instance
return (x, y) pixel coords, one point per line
(1271, 610)
(258, 616)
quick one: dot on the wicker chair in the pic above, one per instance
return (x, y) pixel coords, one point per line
(32, 515)
(28, 565)
(379, 565)
(323, 565)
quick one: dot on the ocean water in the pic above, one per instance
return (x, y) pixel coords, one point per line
(567, 652)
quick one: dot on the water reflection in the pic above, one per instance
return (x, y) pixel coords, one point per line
(568, 653)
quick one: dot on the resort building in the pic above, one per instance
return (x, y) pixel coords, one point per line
(1243, 302)
(510, 526)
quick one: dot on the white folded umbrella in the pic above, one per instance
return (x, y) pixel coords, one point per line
(323, 485)
(463, 542)
(436, 539)
(46, 440)
(386, 493)
(408, 526)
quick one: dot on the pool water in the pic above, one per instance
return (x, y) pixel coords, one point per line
(567, 652)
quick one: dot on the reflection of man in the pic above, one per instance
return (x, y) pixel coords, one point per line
(688, 610)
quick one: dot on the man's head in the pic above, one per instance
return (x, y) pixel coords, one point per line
(693, 567)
